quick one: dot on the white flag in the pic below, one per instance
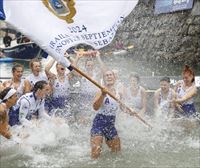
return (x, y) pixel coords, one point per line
(56, 25)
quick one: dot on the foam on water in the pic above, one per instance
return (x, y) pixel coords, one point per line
(55, 145)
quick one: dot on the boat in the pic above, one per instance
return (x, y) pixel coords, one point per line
(6, 59)
(27, 50)
(20, 47)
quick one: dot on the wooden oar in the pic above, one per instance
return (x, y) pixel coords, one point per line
(129, 111)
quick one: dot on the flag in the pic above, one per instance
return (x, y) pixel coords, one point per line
(56, 25)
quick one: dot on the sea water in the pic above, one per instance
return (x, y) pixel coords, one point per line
(55, 145)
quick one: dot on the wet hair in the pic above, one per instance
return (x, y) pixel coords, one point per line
(104, 74)
(135, 75)
(166, 79)
(32, 62)
(4, 93)
(189, 70)
(39, 85)
(14, 68)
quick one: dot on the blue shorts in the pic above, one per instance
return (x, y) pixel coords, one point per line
(104, 126)
(13, 117)
(188, 110)
(55, 103)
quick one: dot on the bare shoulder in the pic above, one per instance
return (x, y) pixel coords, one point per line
(5, 83)
(157, 92)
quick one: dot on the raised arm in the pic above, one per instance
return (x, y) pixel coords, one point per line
(102, 64)
(48, 68)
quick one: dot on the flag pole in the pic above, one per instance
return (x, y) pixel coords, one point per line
(129, 110)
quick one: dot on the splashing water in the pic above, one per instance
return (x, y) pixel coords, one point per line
(54, 145)
(168, 144)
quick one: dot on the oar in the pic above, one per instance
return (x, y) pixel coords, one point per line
(130, 111)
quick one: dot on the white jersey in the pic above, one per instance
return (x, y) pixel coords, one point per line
(164, 103)
(182, 92)
(28, 104)
(109, 107)
(135, 101)
(20, 89)
(88, 88)
(33, 79)
(61, 89)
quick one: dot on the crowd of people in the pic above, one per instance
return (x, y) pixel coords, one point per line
(44, 95)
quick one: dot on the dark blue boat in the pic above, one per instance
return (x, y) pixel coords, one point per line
(24, 51)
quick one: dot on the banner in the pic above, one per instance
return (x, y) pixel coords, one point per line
(56, 25)
(166, 6)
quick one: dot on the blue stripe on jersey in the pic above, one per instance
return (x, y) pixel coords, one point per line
(2, 14)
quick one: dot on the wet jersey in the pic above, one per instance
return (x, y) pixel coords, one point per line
(182, 92)
(164, 103)
(33, 79)
(135, 101)
(109, 106)
(26, 106)
(61, 89)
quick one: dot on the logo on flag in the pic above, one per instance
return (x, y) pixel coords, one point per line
(63, 9)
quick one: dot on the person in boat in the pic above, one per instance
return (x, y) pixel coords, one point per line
(163, 98)
(36, 75)
(136, 97)
(7, 40)
(60, 85)
(186, 92)
(17, 82)
(104, 122)
(8, 98)
(30, 106)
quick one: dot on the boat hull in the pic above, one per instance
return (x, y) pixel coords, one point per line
(24, 51)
